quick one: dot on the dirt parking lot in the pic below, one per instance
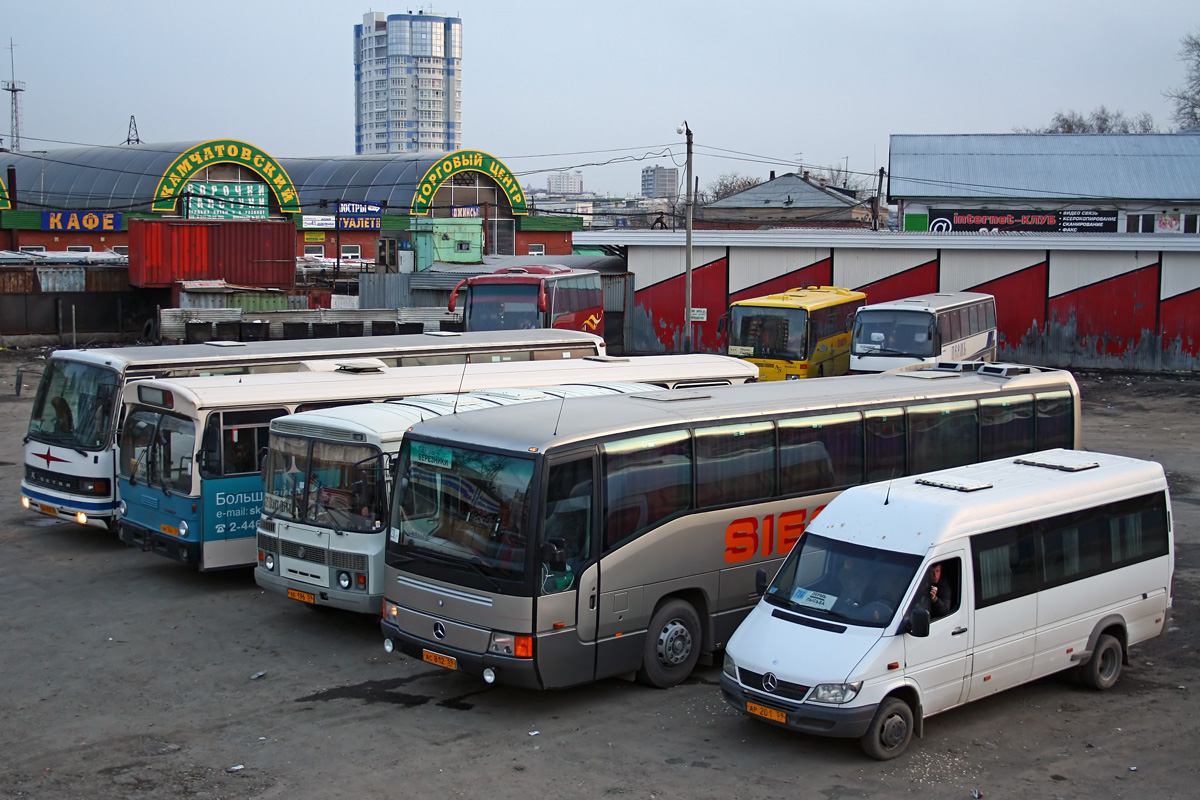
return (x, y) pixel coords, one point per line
(125, 675)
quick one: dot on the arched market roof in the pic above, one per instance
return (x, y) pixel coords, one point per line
(125, 178)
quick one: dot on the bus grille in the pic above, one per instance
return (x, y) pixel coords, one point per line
(753, 680)
(305, 552)
(52, 480)
(268, 543)
(356, 562)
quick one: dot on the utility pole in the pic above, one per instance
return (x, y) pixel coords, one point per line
(878, 202)
(687, 285)
(14, 87)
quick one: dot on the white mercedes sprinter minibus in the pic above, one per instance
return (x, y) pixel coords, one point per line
(909, 597)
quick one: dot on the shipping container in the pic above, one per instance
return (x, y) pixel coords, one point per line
(249, 253)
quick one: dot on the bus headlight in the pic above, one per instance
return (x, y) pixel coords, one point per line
(25, 502)
(269, 562)
(509, 644)
(183, 527)
(836, 692)
(729, 668)
(344, 580)
(122, 509)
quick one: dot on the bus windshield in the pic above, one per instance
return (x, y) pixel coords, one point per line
(762, 332)
(74, 405)
(843, 581)
(157, 449)
(466, 507)
(893, 333)
(327, 484)
(507, 307)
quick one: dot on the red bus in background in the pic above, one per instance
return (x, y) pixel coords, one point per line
(541, 296)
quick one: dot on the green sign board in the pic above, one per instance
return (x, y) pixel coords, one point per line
(224, 151)
(225, 200)
(463, 161)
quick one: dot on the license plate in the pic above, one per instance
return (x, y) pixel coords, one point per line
(45, 509)
(170, 530)
(305, 596)
(767, 713)
(439, 659)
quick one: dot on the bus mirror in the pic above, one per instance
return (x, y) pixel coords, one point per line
(760, 582)
(454, 295)
(721, 324)
(554, 553)
(542, 298)
(919, 622)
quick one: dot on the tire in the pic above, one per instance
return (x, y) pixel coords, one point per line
(1104, 667)
(890, 731)
(672, 646)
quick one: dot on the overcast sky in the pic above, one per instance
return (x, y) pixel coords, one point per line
(545, 82)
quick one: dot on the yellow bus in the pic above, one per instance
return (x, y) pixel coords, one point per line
(800, 333)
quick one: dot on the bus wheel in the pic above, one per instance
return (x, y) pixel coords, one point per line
(891, 730)
(1104, 667)
(672, 645)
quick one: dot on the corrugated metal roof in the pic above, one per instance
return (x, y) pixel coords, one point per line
(1147, 166)
(787, 191)
(124, 178)
(842, 237)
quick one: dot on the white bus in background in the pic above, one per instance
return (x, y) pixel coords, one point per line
(925, 329)
(70, 446)
(326, 548)
(910, 597)
(191, 448)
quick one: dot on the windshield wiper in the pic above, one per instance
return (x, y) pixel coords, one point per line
(457, 562)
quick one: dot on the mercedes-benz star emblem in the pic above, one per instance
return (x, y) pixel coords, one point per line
(770, 682)
(439, 630)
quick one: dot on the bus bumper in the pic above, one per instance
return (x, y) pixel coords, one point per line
(507, 670)
(834, 721)
(179, 550)
(359, 602)
(99, 513)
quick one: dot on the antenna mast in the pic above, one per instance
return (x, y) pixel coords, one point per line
(132, 138)
(14, 87)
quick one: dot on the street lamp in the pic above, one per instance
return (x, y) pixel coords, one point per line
(687, 286)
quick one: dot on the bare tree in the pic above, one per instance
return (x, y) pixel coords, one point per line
(843, 178)
(1187, 96)
(1100, 120)
(728, 184)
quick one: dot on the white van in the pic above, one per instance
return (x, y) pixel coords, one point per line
(1057, 560)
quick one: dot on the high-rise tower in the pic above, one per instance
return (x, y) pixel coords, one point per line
(407, 83)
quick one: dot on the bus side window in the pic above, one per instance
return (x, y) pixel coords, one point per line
(735, 464)
(943, 435)
(1055, 420)
(647, 480)
(819, 453)
(886, 444)
(945, 331)
(210, 447)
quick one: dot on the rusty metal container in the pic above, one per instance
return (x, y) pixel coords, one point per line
(248, 253)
